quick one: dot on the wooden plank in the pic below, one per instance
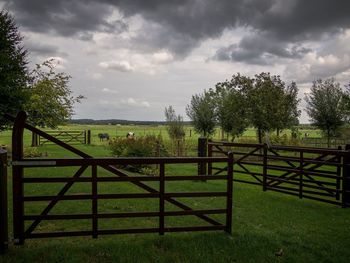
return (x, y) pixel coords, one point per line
(94, 201)
(229, 190)
(161, 198)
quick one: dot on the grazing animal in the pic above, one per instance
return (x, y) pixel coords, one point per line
(130, 135)
(103, 136)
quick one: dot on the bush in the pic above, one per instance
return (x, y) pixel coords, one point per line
(146, 146)
(31, 152)
(284, 140)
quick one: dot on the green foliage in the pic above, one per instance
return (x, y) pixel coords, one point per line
(271, 104)
(175, 124)
(231, 106)
(51, 101)
(146, 146)
(284, 140)
(288, 113)
(13, 68)
(201, 111)
(325, 106)
(31, 152)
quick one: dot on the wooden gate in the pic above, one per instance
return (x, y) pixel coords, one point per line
(25, 225)
(70, 137)
(314, 173)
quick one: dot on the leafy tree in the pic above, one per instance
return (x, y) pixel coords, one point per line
(288, 113)
(231, 108)
(51, 101)
(13, 68)
(346, 102)
(271, 105)
(175, 128)
(175, 124)
(201, 111)
(325, 106)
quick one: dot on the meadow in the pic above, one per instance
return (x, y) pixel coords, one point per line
(267, 226)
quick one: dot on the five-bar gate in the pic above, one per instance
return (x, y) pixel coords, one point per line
(89, 170)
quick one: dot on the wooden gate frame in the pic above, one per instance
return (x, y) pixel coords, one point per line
(77, 137)
(19, 163)
(299, 175)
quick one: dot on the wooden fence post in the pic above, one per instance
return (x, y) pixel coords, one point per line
(210, 154)
(161, 198)
(346, 178)
(17, 178)
(94, 208)
(229, 189)
(3, 202)
(337, 195)
(202, 152)
(89, 137)
(265, 167)
(301, 172)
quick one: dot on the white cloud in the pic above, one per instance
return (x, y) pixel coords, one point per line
(122, 66)
(162, 57)
(329, 60)
(125, 102)
(107, 90)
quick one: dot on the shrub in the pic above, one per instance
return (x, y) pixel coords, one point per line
(31, 152)
(146, 146)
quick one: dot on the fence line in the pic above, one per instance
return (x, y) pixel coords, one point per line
(68, 136)
(84, 162)
(313, 173)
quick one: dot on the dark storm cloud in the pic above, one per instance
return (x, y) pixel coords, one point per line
(260, 49)
(44, 49)
(183, 24)
(64, 17)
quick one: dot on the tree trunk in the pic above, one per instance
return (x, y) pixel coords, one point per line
(34, 139)
(328, 139)
(278, 132)
(260, 135)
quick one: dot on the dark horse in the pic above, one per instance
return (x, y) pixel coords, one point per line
(103, 136)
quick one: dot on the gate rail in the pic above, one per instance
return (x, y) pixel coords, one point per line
(84, 162)
(68, 136)
(93, 163)
(314, 173)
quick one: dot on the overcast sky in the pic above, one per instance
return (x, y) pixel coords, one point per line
(133, 58)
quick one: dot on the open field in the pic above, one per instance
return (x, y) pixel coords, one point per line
(141, 130)
(264, 224)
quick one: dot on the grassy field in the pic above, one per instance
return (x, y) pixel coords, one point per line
(140, 130)
(267, 226)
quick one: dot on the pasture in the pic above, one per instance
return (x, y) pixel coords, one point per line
(267, 226)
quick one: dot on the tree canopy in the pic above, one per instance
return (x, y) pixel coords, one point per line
(13, 68)
(51, 101)
(231, 106)
(175, 124)
(272, 105)
(201, 111)
(325, 106)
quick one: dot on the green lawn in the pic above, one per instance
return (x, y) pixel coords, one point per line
(264, 223)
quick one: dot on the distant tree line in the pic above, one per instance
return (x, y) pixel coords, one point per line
(116, 122)
(268, 104)
(264, 102)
